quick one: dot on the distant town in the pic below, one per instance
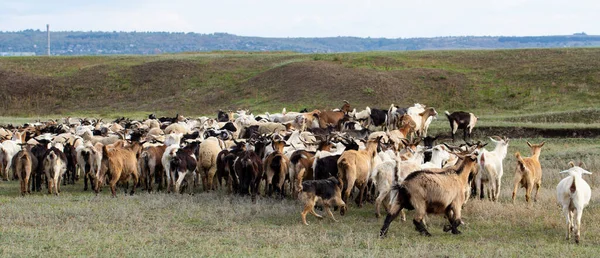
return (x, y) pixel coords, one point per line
(34, 42)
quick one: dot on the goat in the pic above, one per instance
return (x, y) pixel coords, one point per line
(55, 165)
(573, 194)
(528, 172)
(394, 115)
(300, 169)
(333, 117)
(275, 166)
(39, 151)
(384, 178)
(378, 117)
(428, 143)
(71, 154)
(247, 173)
(354, 167)
(432, 192)
(183, 167)
(151, 167)
(461, 120)
(121, 165)
(7, 150)
(23, 164)
(491, 169)
(89, 160)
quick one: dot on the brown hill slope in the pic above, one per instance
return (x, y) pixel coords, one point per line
(508, 81)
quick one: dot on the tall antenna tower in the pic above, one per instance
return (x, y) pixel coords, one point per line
(48, 32)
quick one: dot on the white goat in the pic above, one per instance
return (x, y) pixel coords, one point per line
(439, 156)
(383, 178)
(8, 149)
(573, 194)
(491, 169)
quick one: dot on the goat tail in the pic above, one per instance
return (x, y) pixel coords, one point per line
(447, 113)
(25, 165)
(482, 161)
(146, 158)
(399, 195)
(276, 163)
(520, 161)
(342, 169)
(573, 187)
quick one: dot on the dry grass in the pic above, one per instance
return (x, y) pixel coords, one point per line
(81, 224)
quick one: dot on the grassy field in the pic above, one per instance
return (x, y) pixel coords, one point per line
(505, 82)
(517, 93)
(80, 223)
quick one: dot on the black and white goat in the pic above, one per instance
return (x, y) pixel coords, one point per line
(462, 120)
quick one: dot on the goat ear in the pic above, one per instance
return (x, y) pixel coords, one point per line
(586, 172)
(582, 165)
(564, 171)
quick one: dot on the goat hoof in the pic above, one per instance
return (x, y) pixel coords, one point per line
(377, 215)
(447, 228)
(425, 233)
(456, 232)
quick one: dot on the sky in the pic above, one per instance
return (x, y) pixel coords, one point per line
(310, 18)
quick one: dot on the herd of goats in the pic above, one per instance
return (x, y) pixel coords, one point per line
(322, 156)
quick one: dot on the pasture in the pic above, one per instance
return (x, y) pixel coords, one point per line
(80, 223)
(523, 94)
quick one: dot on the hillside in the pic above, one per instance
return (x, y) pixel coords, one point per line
(489, 82)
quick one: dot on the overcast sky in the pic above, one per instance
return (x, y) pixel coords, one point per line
(310, 18)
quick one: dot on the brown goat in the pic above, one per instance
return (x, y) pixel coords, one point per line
(354, 167)
(327, 118)
(431, 192)
(276, 168)
(150, 166)
(528, 172)
(22, 164)
(122, 165)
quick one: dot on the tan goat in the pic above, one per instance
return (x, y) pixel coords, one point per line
(23, 162)
(354, 167)
(122, 165)
(528, 172)
(431, 192)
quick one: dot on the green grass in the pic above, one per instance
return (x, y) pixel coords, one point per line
(78, 223)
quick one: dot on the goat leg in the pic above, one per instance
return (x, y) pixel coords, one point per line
(420, 227)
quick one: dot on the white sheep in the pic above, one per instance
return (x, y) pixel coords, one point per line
(573, 194)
